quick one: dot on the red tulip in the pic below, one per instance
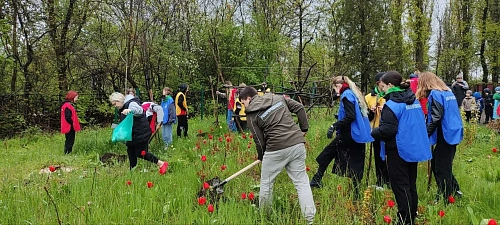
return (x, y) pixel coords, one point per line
(307, 168)
(129, 182)
(150, 184)
(249, 146)
(225, 135)
(143, 153)
(213, 152)
(52, 168)
(204, 141)
(223, 167)
(243, 195)
(387, 219)
(441, 213)
(492, 222)
(390, 203)
(200, 131)
(202, 200)
(251, 136)
(339, 188)
(451, 199)
(250, 143)
(210, 208)
(494, 150)
(220, 139)
(251, 196)
(206, 186)
(203, 158)
(210, 137)
(244, 136)
(228, 139)
(198, 146)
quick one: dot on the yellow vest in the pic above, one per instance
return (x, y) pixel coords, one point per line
(184, 103)
(260, 93)
(371, 102)
(243, 116)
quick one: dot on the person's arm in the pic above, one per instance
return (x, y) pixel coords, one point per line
(179, 103)
(465, 85)
(135, 108)
(388, 127)
(159, 113)
(258, 136)
(350, 115)
(437, 111)
(68, 115)
(171, 114)
(220, 94)
(297, 108)
(463, 103)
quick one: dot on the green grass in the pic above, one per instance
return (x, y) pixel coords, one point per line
(96, 194)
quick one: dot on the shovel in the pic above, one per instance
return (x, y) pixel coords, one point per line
(222, 183)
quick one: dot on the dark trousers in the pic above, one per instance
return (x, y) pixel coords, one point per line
(441, 165)
(331, 152)
(468, 115)
(182, 122)
(488, 112)
(134, 151)
(403, 176)
(380, 166)
(70, 141)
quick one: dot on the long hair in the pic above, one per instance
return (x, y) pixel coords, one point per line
(360, 97)
(428, 81)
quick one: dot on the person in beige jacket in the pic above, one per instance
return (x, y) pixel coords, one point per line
(468, 104)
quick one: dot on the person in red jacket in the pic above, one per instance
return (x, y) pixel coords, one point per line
(69, 121)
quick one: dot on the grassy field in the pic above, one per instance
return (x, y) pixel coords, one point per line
(85, 191)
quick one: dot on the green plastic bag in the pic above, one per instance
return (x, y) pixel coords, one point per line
(123, 132)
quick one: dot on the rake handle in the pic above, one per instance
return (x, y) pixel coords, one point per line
(237, 174)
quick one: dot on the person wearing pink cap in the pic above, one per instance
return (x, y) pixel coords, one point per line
(69, 120)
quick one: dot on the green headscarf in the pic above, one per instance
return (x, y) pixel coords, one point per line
(393, 89)
(378, 92)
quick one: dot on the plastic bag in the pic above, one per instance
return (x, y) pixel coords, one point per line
(123, 132)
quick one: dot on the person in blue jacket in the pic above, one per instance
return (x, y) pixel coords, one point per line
(479, 105)
(445, 131)
(403, 132)
(353, 131)
(168, 116)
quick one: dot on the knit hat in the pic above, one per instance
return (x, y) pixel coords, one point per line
(71, 96)
(183, 87)
(413, 76)
(378, 76)
(497, 89)
(476, 95)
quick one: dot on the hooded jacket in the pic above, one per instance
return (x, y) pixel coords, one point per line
(402, 127)
(270, 120)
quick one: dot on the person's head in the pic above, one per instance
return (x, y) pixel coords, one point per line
(477, 95)
(71, 96)
(392, 79)
(131, 91)
(486, 91)
(183, 88)
(377, 80)
(497, 89)
(167, 91)
(459, 78)
(117, 100)
(341, 83)
(247, 94)
(428, 81)
(468, 93)
(413, 76)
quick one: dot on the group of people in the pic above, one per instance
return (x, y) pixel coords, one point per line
(393, 118)
(148, 118)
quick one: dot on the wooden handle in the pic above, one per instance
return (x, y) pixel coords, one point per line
(242, 171)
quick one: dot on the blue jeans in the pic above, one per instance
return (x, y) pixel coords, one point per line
(167, 134)
(230, 123)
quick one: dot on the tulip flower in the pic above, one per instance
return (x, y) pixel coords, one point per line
(210, 208)
(203, 158)
(143, 153)
(129, 182)
(390, 203)
(223, 167)
(451, 199)
(494, 150)
(251, 196)
(441, 213)
(243, 195)
(206, 186)
(52, 168)
(202, 200)
(387, 219)
(150, 184)
(492, 222)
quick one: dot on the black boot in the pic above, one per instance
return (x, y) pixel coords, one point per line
(316, 180)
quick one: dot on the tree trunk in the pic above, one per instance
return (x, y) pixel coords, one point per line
(15, 51)
(483, 43)
(419, 45)
(301, 50)
(465, 37)
(495, 41)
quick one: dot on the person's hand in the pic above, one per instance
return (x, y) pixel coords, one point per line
(125, 111)
(217, 92)
(373, 108)
(330, 132)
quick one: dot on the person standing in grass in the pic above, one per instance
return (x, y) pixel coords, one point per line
(468, 104)
(479, 105)
(69, 121)
(496, 104)
(181, 110)
(403, 133)
(280, 144)
(445, 131)
(488, 105)
(375, 101)
(353, 132)
(141, 132)
(169, 117)
(231, 99)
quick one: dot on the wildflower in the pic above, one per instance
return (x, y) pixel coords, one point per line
(451, 199)
(150, 184)
(441, 213)
(223, 167)
(52, 168)
(251, 196)
(243, 195)
(143, 153)
(206, 186)
(203, 158)
(492, 222)
(390, 203)
(307, 168)
(129, 182)
(210, 208)
(387, 219)
(202, 200)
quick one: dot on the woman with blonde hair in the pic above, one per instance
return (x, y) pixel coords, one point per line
(141, 132)
(445, 130)
(353, 131)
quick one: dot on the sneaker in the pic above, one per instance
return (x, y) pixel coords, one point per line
(459, 193)
(315, 184)
(163, 168)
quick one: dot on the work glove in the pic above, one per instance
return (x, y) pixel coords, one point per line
(330, 132)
